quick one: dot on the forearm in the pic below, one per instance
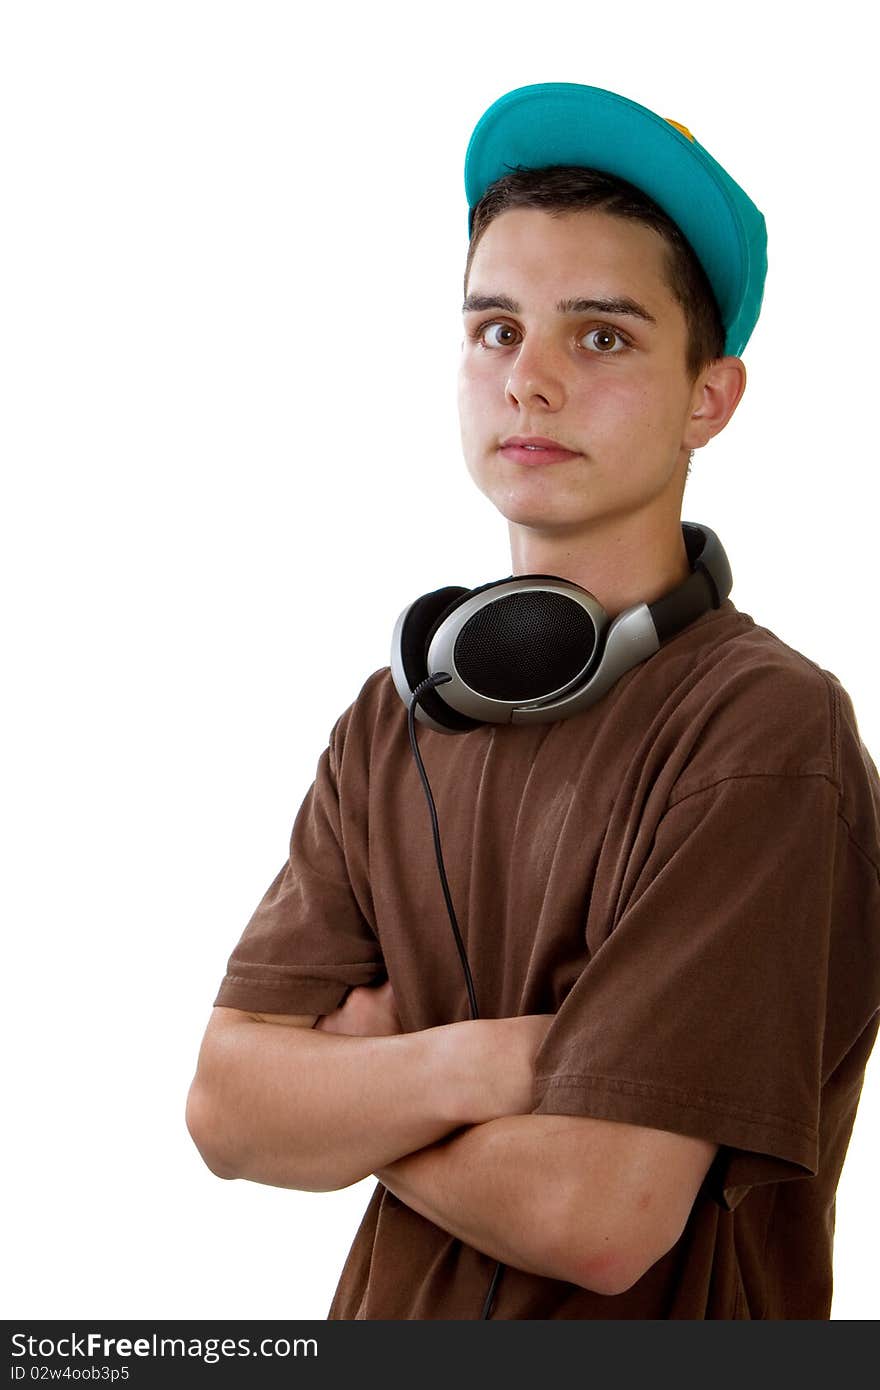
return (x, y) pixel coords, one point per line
(492, 1187)
(295, 1107)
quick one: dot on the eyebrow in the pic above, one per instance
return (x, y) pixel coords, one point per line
(478, 303)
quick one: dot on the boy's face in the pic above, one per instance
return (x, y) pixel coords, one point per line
(607, 383)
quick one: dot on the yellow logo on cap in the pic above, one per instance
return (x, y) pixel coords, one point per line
(678, 126)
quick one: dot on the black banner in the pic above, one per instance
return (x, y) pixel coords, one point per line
(137, 1353)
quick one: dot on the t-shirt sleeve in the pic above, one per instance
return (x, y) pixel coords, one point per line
(703, 1011)
(309, 941)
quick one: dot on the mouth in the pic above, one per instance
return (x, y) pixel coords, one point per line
(533, 449)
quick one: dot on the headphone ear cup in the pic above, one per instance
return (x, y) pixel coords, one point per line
(419, 626)
(420, 622)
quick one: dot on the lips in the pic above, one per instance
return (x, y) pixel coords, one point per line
(533, 448)
(533, 441)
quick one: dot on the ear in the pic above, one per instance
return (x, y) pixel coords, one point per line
(717, 392)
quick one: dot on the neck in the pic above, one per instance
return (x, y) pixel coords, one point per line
(620, 563)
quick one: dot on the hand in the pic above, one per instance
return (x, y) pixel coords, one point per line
(368, 1011)
(495, 1061)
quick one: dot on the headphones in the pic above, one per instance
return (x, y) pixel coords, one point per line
(537, 648)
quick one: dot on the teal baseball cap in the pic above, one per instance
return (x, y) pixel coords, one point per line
(565, 123)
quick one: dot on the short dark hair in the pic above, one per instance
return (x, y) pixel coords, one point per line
(570, 188)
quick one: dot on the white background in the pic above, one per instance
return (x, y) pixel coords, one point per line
(233, 238)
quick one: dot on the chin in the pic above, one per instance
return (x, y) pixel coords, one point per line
(542, 508)
(551, 523)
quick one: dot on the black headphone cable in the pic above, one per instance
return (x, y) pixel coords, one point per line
(440, 678)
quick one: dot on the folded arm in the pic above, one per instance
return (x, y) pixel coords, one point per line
(442, 1118)
(295, 1106)
(588, 1201)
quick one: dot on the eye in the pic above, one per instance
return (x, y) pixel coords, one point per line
(605, 340)
(493, 335)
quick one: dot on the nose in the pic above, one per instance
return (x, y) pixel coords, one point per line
(535, 378)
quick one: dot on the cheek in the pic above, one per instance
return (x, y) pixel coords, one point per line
(628, 409)
(462, 389)
(471, 398)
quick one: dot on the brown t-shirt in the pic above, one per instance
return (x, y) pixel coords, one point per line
(686, 875)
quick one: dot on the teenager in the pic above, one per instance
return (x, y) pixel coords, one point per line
(668, 896)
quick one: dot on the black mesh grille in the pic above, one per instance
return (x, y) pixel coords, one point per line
(524, 645)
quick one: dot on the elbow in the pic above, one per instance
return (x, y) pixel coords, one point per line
(606, 1271)
(203, 1130)
(595, 1259)
(611, 1262)
(229, 1156)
